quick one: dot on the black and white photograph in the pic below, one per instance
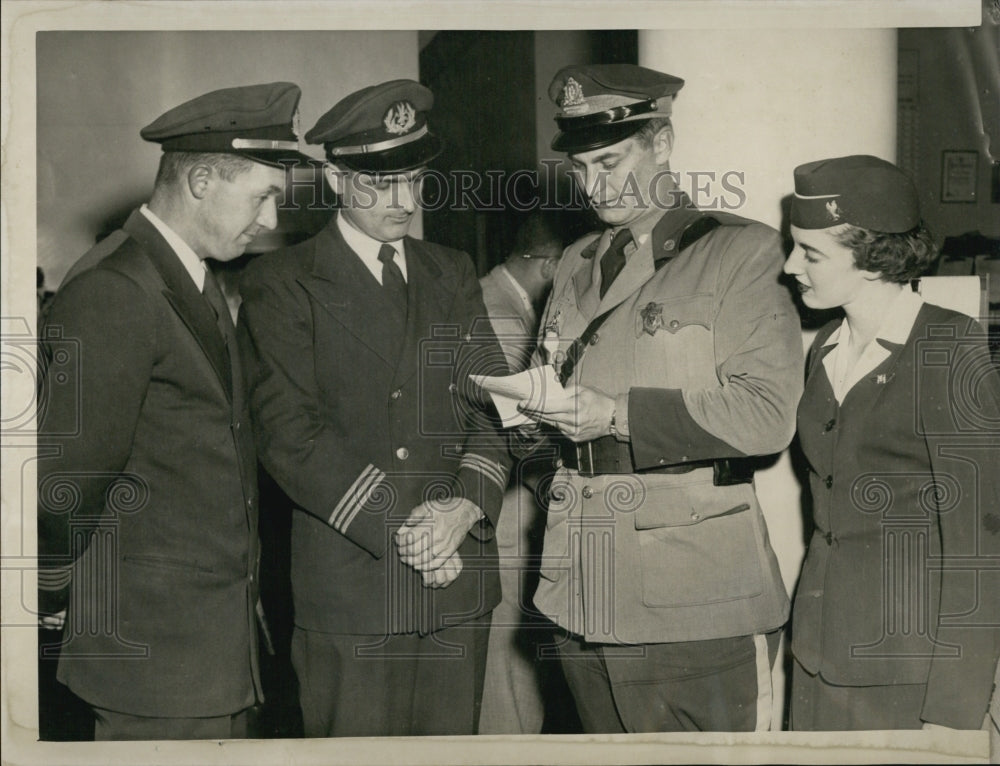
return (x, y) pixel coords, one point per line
(501, 383)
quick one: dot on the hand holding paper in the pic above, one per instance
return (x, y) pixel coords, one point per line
(581, 415)
(535, 388)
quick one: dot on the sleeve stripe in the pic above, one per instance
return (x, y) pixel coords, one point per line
(492, 471)
(372, 486)
(355, 496)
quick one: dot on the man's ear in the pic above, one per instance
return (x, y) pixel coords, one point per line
(549, 266)
(663, 144)
(199, 178)
(336, 178)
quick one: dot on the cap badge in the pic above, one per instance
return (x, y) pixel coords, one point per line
(833, 210)
(572, 93)
(400, 118)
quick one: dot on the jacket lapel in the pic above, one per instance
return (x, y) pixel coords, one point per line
(587, 294)
(182, 294)
(344, 287)
(429, 301)
(638, 270)
(661, 245)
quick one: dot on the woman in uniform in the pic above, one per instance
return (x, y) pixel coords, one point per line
(894, 623)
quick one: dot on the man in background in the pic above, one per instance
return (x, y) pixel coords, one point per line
(364, 416)
(513, 694)
(147, 472)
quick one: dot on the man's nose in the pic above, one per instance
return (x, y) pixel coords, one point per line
(404, 196)
(267, 217)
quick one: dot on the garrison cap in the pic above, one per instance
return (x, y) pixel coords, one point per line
(255, 121)
(602, 104)
(860, 189)
(379, 129)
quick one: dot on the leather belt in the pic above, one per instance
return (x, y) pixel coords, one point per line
(608, 455)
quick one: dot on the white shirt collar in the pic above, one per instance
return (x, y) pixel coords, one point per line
(525, 298)
(895, 329)
(194, 265)
(367, 248)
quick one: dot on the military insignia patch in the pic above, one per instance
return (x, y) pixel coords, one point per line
(400, 117)
(650, 319)
(833, 210)
(572, 97)
(572, 93)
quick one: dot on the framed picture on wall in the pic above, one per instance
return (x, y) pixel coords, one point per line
(959, 175)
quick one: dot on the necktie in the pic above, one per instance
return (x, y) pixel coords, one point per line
(224, 321)
(392, 277)
(613, 260)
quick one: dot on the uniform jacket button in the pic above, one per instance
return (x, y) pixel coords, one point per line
(402, 453)
(396, 394)
(828, 481)
(594, 339)
(674, 324)
(587, 492)
(828, 426)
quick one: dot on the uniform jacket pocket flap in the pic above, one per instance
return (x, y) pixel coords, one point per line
(673, 316)
(686, 505)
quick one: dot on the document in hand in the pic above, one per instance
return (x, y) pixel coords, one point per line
(536, 386)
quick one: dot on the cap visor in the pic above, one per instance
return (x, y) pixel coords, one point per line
(396, 160)
(595, 137)
(278, 159)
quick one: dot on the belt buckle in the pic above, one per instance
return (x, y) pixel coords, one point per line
(585, 467)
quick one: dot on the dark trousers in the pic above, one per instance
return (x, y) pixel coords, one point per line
(403, 685)
(110, 725)
(818, 705)
(714, 685)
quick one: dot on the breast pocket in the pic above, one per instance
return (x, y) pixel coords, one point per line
(673, 341)
(698, 544)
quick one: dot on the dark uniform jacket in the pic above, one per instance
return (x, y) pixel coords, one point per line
(703, 353)
(899, 584)
(359, 422)
(144, 435)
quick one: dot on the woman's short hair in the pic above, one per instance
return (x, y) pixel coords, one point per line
(897, 257)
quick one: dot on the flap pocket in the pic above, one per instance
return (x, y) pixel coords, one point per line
(673, 316)
(683, 505)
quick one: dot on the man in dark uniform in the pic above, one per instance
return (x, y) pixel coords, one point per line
(682, 357)
(147, 471)
(361, 339)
